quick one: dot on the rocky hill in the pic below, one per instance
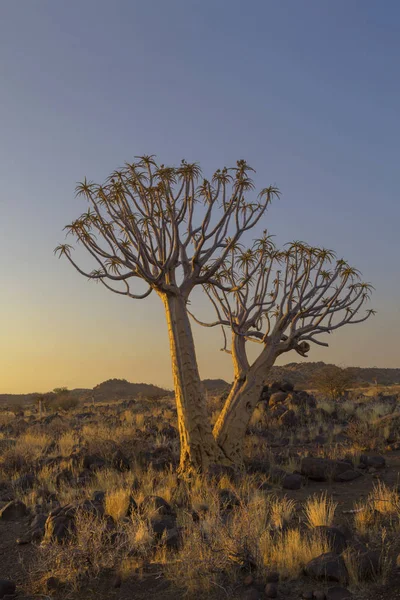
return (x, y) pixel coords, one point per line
(302, 374)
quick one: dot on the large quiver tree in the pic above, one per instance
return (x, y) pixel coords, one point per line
(169, 230)
(293, 297)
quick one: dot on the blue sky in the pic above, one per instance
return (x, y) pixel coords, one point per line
(308, 92)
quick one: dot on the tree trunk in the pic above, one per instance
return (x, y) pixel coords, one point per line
(199, 449)
(231, 426)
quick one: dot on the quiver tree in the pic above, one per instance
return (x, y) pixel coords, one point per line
(170, 231)
(292, 299)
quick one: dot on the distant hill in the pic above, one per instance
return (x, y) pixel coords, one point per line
(301, 374)
(120, 389)
(215, 385)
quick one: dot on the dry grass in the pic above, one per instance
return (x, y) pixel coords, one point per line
(67, 442)
(320, 510)
(282, 510)
(117, 503)
(384, 499)
(291, 550)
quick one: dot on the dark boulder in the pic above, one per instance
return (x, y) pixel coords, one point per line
(327, 567)
(323, 469)
(14, 510)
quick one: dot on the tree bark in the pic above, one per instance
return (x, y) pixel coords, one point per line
(199, 449)
(231, 426)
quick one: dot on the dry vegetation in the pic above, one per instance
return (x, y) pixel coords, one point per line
(104, 501)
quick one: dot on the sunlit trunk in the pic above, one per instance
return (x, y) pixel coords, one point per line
(231, 426)
(199, 449)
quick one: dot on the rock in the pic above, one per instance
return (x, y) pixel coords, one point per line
(36, 530)
(338, 593)
(349, 475)
(277, 398)
(319, 595)
(228, 499)
(369, 564)
(252, 594)
(320, 440)
(13, 510)
(7, 587)
(52, 584)
(289, 419)
(375, 462)
(337, 540)
(307, 595)
(327, 567)
(287, 386)
(93, 462)
(271, 590)
(120, 462)
(156, 504)
(60, 524)
(25, 482)
(322, 469)
(99, 497)
(277, 411)
(292, 482)
(275, 386)
(64, 476)
(159, 524)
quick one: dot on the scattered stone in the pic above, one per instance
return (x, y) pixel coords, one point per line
(337, 540)
(13, 510)
(6, 587)
(321, 440)
(271, 590)
(252, 594)
(319, 595)
(307, 595)
(93, 462)
(369, 564)
(25, 482)
(228, 499)
(64, 476)
(248, 580)
(277, 398)
(120, 462)
(349, 475)
(292, 482)
(60, 524)
(327, 567)
(322, 469)
(99, 497)
(289, 419)
(156, 504)
(52, 584)
(338, 593)
(375, 462)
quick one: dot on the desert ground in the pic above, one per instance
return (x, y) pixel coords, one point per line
(91, 505)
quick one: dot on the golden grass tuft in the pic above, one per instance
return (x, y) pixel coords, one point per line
(289, 551)
(117, 503)
(282, 510)
(319, 510)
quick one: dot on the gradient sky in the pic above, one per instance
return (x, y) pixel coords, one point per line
(307, 91)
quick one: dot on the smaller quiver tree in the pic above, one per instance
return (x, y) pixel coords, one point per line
(293, 298)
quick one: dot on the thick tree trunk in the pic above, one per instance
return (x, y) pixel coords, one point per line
(199, 449)
(231, 426)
